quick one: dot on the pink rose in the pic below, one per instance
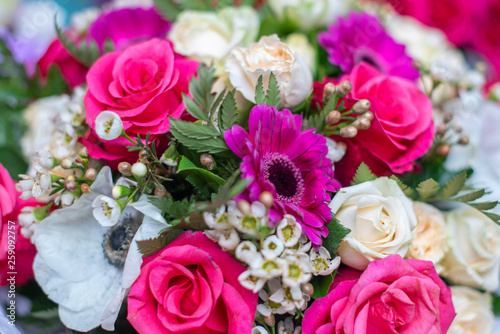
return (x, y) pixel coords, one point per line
(191, 286)
(16, 252)
(487, 35)
(401, 132)
(391, 296)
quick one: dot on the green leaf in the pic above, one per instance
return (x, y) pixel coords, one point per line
(336, 232)
(407, 190)
(210, 145)
(472, 196)
(363, 174)
(194, 109)
(321, 285)
(427, 189)
(260, 97)
(273, 92)
(152, 246)
(492, 216)
(455, 184)
(484, 205)
(85, 54)
(168, 9)
(194, 130)
(227, 112)
(496, 305)
(186, 167)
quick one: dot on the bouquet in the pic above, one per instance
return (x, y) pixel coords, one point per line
(275, 166)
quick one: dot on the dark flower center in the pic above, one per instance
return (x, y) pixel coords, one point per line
(285, 176)
(117, 240)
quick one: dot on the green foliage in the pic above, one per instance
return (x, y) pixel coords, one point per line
(187, 134)
(407, 190)
(271, 96)
(321, 285)
(428, 188)
(317, 121)
(336, 232)
(171, 8)
(227, 113)
(496, 305)
(455, 184)
(363, 174)
(154, 245)
(202, 180)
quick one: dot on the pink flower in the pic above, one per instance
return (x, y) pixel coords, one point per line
(401, 132)
(18, 259)
(143, 84)
(391, 296)
(290, 163)
(191, 286)
(360, 37)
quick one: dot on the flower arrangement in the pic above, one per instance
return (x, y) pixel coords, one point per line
(252, 167)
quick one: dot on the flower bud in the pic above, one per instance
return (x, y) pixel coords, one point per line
(308, 289)
(70, 178)
(86, 188)
(207, 161)
(457, 129)
(443, 150)
(139, 170)
(464, 140)
(362, 124)
(328, 90)
(349, 132)
(269, 320)
(160, 191)
(447, 117)
(121, 192)
(243, 206)
(344, 88)
(90, 174)
(143, 153)
(67, 163)
(108, 125)
(333, 117)
(368, 115)
(70, 186)
(125, 168)
(441, 129)
(362, 106)
(84, 152)
(266, 198)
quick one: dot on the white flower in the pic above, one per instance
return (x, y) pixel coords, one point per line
(64, 200)
(473, 258)
(299, 43)
(80, 266)
(251, 223)
(246, 251)
(259, 330)
(296, 270)
(108, 125)
(289, 231)
(429, 237)
(217, 221)
(267, 267)
(322, 263)
(272, 247)
(289, 298)
(27, 221)
(208, 36)
(293, 75)
(335, 151)
(227, 239)
(380, 218)
(251, 282)
(287, 327)
(474, 311)
(106, 210)
(271, 307)
(309, 14)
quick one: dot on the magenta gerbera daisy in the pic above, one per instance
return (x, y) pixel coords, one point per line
(289, 163)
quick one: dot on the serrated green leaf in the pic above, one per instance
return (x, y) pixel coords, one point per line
(85, 54)
(273, 92)
(193, 130)
(455, 184)
(363, 174)
(194, 109)
(260, 96)
(186, 167)
(213, 145)
(228, 112)
(168, 9)
(492, 216)
(407, 190)
(321, 285)
(472, 196)
(427, 189)
(336, 232)
(152, 246)
(484, 205)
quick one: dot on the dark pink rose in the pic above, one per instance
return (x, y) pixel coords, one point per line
(391, 296)
(401, 132)
(487, 35)
(191, 286)
(16, 252)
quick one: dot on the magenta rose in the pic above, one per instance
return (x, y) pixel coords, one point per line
(16, 252)
(401, 132)
(392, 295)
(191, 286)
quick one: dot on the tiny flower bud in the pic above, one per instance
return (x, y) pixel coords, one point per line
(362, 124)
(90, 174)
(160, 191)
(349, 132)
(308, 289)
(457, 129)
(269, 320)
(125, 168)
(333, 117)
(70, 178)
(243, 206)
(84, 152)
(328, 90)
(443, 150)
(266, 198)
(67, 163)
(70, 186)
(368, 115)
(464, 140)
(342, 146)
(362, 106)
(441, 129)
(207, 161)
(108, 125)
(86, 188)
(120, 192)
(447, 117)
(344, 88)
(139, 170)
(417, 64)
(143, 153)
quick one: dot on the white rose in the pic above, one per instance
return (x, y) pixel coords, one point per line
(7, 10)
(308, 14)
(208, 36)
(474, 255)
(381, 220)
(429, 237)
(474, 314)
(294, 77)
(299, 43)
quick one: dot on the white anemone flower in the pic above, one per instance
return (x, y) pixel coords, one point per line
(106, 211)
(108, 125)
(88, 268)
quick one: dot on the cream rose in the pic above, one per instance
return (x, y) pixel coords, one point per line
(429, 237)
(473, 258)
(208, 36)
(381, 220)
(299, 43)
(294, 77)
(309, 14)
(474, 313)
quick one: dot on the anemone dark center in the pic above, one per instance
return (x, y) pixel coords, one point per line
(285, 176)
(118, 239)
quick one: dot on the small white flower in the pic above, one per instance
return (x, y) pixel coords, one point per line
(25, 186)
(266, 267)
(251, 223)
(217, 221)
(259, 330)
(269, 306)
(65, 199)
(322, 263)
(246, 251)
(272, 247)
(108, 125)
(106, 211)
(287, 327)
(27, 221)
(229, 240)
(335, 151)
(251, 282)
(289, 231)
(297, 270)
(290, 298)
